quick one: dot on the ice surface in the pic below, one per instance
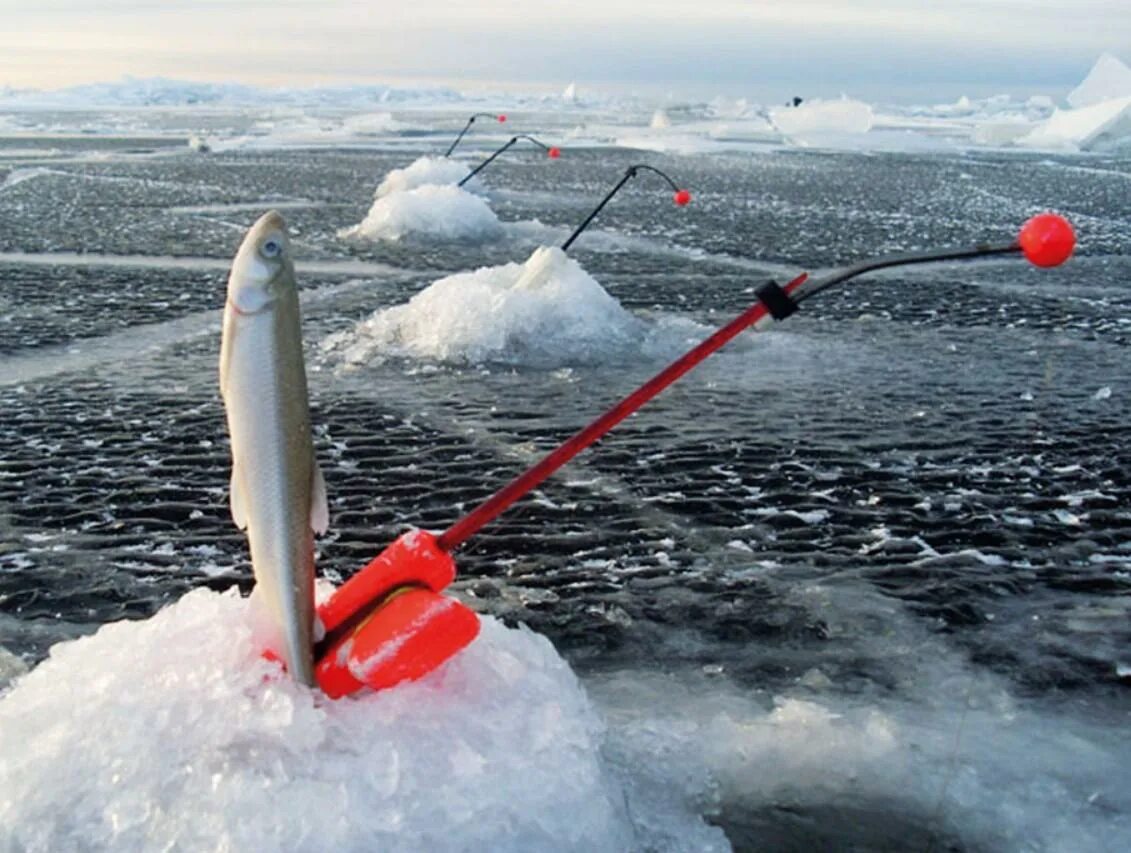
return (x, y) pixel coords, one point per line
(546, 311)
(443, 212)
(424, 171)
(964, 762)
(1109, 79)
(1104, 126)
(173, 733)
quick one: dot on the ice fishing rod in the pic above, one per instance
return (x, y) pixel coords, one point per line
(389, 622)
(681, 198)
(499, 118)
(552, 151)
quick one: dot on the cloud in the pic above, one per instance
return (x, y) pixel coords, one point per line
(711, 41)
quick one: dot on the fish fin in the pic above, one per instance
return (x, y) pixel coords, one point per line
(236, 498)
(319, 506)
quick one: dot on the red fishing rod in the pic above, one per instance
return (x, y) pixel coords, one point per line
(390, 623)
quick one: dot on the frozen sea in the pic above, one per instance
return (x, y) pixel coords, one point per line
(861, 582)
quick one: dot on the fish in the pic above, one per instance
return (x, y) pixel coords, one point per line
(278, 495)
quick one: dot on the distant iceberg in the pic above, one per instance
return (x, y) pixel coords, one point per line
(1105, 126)
(823, 118)
(1100, 114)
(1108, 80)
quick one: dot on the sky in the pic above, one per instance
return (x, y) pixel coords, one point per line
(810, 47)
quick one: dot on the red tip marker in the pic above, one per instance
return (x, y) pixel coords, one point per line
(554, 153)
(1047, 240)
(681, 198)
(502, 118)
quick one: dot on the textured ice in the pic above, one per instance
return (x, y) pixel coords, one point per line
(546, 311)
(173, 733)
(443, 212)
(1109, 79)
(424, 171)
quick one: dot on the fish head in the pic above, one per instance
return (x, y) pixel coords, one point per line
(263, 267)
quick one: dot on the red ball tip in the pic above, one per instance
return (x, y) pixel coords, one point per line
(502, 118)
(554, 153)
(1047, 240)
(681, 198)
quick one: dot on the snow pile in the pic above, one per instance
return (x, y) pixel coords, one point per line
(1108, 80)
(443, 212)
(422, 172)
(545, 312)
(1105, 126)
(173, 733)
(819, 118)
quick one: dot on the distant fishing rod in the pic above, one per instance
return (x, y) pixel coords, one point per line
(680, 198)
(389, 622)
(553, 152)
(499, 118)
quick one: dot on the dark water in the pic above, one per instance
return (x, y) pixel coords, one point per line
(914, 496)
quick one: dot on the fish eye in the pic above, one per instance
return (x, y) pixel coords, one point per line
(272, 247)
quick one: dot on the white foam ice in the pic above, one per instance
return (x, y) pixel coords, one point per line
(1109, 79)
(424, 171)
(442, 212)
(173, 733)
(546, 311)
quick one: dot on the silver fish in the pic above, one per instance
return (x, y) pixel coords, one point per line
(277, 492)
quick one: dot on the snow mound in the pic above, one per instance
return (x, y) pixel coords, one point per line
(424, 171)
(173, 733)
(1108, 80)
(545, 312)
(444, 212)
(1105, 126)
